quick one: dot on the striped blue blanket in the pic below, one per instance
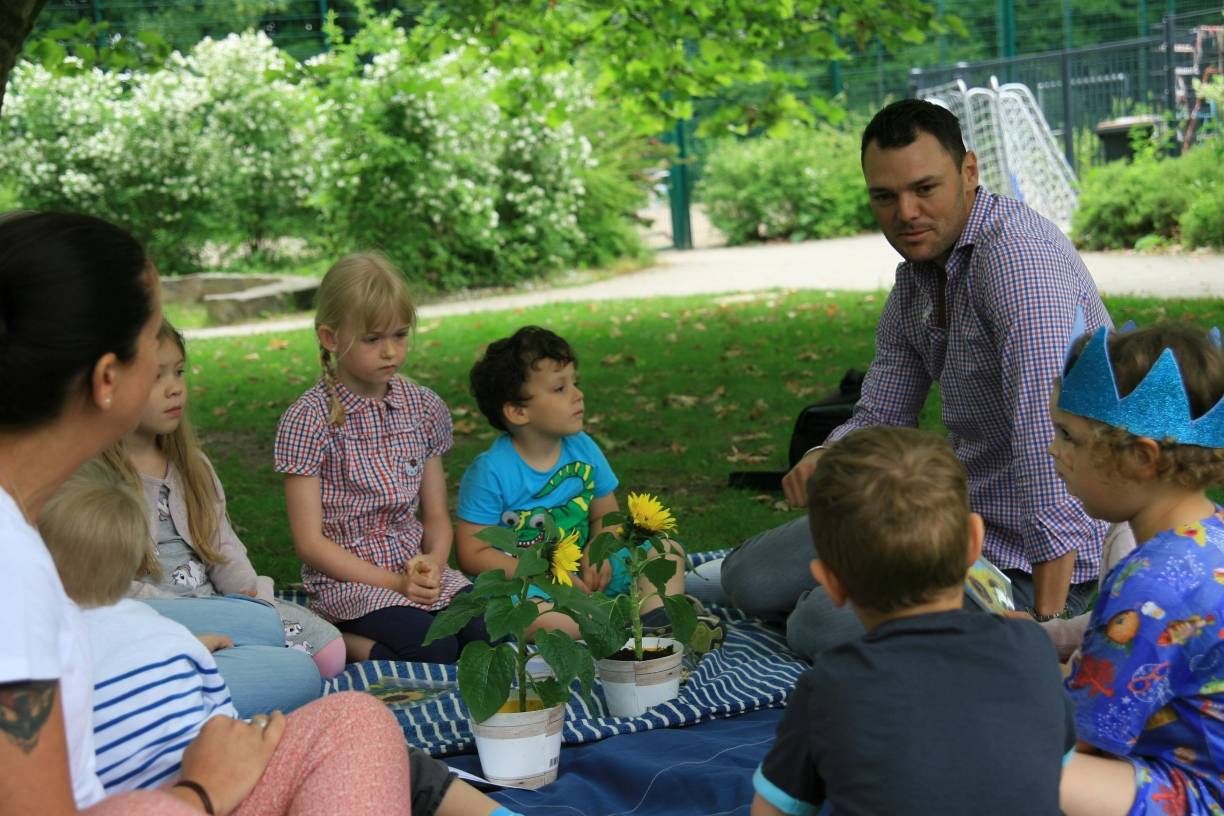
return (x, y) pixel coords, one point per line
(753, 670)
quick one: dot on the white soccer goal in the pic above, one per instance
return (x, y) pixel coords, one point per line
(1017, 152)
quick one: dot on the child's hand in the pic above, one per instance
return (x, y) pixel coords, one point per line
(596, 580)
(579, 583)
(422, 580)
(215, 643)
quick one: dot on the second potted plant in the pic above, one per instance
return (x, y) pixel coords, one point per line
(646, 670)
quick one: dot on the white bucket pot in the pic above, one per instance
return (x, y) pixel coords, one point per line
(631, 687)
(521, 749)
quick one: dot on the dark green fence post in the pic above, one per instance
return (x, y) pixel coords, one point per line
(942, 40)
(680, 190)
(97, 14)
(323, 24)
(1143, 51)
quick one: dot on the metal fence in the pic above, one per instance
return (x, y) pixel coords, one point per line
(1080, 89)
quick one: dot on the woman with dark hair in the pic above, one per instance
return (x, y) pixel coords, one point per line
(79, 316)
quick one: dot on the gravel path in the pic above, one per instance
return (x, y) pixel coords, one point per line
(864, 262)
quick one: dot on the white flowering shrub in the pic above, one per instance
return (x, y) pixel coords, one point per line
(465, 174)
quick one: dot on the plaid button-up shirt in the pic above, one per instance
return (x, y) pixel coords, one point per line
(369, 471)
(1014, 284)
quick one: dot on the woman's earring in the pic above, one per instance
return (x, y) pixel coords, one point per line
(106, 403)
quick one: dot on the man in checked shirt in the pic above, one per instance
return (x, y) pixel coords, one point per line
(984, 303)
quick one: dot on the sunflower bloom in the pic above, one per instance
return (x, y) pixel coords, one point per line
(649, 514)
(565, 558)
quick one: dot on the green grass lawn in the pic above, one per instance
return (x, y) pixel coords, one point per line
(679, 392)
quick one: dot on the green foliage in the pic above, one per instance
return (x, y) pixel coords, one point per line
(219, 144)
(659, 58)
(465, 174)
(70, 50)
(1202, 224)
(805, 184)
(486, 674)
(1151, 197)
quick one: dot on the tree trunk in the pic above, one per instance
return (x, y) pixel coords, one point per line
(16, 20)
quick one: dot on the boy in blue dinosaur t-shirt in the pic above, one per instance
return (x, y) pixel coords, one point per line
(527, 386)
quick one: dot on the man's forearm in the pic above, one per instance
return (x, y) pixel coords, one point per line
(1051, 583)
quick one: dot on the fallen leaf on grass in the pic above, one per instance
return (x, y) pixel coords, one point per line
(277, 344)
(722, 409)
(613, 359)
(808, 356)
(252, 357)
(608, 443)
(748, 437)
(782, 507)
(465, 426)
(220, 410)
(461, 411)
(738, 455)
(759, 409)
(718, 393)
(680, 400)
(732, 353)
(677, 448)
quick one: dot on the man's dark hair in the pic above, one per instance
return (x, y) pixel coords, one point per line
(499, 376)
(899, 124)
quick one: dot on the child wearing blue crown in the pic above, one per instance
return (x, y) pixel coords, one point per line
(1139, 437)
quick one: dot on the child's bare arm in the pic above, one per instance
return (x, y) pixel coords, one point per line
(476, 556)
(305, 505)
(435, 517)
(760, 807)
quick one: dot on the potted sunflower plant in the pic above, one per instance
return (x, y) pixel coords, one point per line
(518, 711)
(645, 671)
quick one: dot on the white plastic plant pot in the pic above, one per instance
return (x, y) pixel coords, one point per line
(631, 687)
(520, 749)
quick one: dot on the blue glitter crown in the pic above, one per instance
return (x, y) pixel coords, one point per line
(1158, 408)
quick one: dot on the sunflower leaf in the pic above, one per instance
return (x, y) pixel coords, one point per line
(682, 616)
(601, 548)
(503, 538)
(659, 571)
(563, 655)
(485, 675)
(494, 583)
(504, 617)
(550, 692)
(463, 607)
(530, 564)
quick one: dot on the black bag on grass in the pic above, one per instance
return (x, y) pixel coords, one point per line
(814, 424)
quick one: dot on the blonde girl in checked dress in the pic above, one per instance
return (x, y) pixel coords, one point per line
(361, 453)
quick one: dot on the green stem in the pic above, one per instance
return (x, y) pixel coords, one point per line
(522, 664)
(635, 603)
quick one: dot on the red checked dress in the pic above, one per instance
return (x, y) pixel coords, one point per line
(369, 471)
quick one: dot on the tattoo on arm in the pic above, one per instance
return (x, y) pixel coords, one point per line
(24, 709)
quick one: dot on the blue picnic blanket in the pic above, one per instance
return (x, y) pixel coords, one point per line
(664, 772)
(753, 670)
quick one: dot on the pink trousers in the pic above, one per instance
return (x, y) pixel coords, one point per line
(343, 754)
